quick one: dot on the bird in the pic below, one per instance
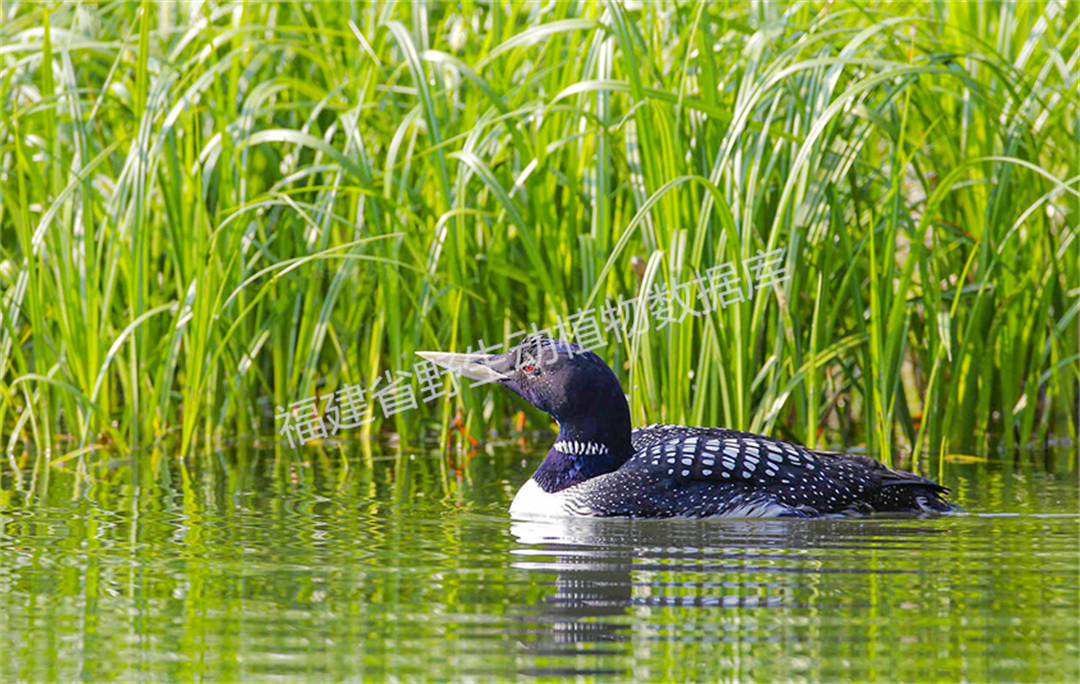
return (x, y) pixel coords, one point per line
(599, 466)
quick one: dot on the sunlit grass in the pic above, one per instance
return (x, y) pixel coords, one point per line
(209, 211)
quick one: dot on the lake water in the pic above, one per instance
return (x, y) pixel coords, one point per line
(257, 566)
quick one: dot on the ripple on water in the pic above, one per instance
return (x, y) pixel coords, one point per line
(356, 576)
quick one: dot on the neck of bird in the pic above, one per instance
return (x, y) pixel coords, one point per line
(583, 450)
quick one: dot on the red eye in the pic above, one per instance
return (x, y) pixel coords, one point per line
(530, 368)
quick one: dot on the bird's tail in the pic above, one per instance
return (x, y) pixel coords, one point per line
(903, 491)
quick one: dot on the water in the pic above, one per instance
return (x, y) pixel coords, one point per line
(252, 568)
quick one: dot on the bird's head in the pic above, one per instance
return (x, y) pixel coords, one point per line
(572, 385)
(559, 378)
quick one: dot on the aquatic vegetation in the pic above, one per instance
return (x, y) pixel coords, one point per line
(209, 212)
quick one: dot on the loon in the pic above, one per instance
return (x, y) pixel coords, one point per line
(600, 467)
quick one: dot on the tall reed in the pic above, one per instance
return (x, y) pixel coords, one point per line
(210, 211)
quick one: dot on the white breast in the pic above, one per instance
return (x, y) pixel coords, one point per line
(533, 502)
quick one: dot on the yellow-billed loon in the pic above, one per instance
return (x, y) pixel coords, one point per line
(599, 466)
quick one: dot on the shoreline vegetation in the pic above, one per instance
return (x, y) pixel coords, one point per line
(210, 211)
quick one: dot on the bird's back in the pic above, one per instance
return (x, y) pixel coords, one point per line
(701, 472)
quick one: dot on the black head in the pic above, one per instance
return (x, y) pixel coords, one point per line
(572, 385)
(559, 378)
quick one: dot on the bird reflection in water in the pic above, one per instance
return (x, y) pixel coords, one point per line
(609, 573)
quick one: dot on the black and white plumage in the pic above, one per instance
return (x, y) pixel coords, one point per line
(598, 466)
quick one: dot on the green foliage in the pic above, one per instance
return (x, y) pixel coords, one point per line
(210, 210)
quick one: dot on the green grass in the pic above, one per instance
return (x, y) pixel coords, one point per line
(208, 211)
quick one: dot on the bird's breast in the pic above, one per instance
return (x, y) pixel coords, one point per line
(531, 501)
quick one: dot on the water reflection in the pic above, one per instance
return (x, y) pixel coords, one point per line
(313, 573)
(730, 584)
(593, 582)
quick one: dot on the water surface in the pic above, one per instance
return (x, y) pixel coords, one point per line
(262, 566)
